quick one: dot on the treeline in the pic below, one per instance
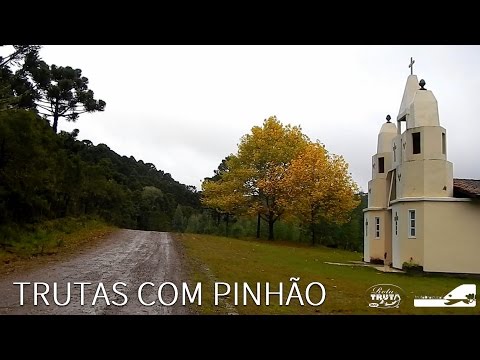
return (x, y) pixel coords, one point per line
(347, 235)
(45, 176)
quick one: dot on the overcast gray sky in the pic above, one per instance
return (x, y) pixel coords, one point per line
(184, 108)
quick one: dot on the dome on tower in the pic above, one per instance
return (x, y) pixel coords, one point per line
(385, 138)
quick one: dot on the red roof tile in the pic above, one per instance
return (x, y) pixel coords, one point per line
(466, 188)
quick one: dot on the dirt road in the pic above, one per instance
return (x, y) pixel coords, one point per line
(129, 256)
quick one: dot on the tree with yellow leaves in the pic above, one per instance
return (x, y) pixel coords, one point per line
(320, 187)
(263, 158)
(223, 193)
(277, 171)
(255, 174)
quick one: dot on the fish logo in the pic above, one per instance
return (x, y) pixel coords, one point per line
(462, 296)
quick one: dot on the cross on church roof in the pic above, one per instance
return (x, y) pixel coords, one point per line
(411, 65)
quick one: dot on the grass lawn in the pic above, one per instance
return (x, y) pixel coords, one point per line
(212, 258)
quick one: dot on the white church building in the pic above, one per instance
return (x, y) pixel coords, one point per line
(417, 212)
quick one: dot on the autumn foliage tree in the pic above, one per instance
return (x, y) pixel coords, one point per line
(224, 192)
(256, 172)
(278, 171)
(321, 187)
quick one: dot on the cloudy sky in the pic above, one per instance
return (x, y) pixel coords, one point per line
(184, 108)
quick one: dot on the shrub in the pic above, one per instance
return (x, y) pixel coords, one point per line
(412, 267)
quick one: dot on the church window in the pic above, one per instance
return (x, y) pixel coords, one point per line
(416, 142)
(377, 227)
(412, 224)
(381, 165)
(444, 144)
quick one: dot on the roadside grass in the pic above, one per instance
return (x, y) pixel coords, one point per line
(21, 247)
(212, 258)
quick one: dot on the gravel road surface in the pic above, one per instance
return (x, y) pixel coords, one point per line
(129, 256)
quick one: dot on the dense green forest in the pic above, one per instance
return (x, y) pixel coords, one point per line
(46, 175)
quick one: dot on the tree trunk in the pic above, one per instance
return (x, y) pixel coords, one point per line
(66, 201)
(227, 221)
(55, 118)
(271, 221)
(312, 226)
(258, 226)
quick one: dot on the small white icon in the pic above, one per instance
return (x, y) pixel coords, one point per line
(462, 296)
